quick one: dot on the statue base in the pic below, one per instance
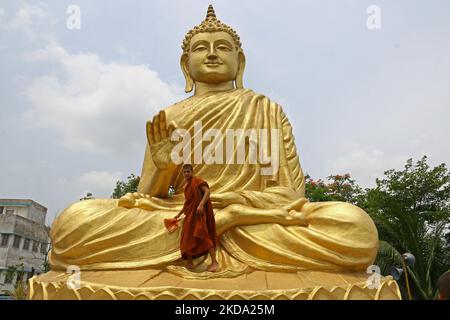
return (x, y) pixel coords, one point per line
(152, 284)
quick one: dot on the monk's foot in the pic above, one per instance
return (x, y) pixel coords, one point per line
(190, 266)
(213, 267)
(297, 218)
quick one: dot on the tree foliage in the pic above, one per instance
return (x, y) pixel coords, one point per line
(20, 287)
(123, 187)
(88, 196)
(411, 209)
(335, 188)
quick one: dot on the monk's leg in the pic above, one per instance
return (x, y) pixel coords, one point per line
(214, 264)
(190, 264)
(236, 214)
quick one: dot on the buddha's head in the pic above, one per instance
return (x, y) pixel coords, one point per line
(212, 53)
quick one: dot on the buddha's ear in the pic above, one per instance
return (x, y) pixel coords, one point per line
(240, 72)
(189, 82)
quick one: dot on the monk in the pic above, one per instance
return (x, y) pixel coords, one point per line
(198, 236)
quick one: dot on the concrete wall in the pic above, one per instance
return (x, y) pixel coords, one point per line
(37, 214)
(25, 208)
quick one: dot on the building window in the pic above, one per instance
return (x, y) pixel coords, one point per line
(26, 244)
(5, 240)
(35, 246)
(9, 211)
(43, 248)
(16, 243)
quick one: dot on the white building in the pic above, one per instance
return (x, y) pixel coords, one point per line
(24, 239)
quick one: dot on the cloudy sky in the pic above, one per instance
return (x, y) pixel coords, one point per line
(74, 102)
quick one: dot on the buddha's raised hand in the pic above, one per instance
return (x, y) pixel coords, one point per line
(158, 136)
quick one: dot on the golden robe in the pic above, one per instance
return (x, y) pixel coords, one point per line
(99, 234)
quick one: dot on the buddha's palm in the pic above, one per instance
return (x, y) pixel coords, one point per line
(158, 136)
(161, 146)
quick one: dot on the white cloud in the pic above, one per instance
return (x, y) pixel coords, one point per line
(99, 183)
(34, 20)
(365, 163)
(95, 106)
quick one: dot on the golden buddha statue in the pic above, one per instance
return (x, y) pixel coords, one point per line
(274, 243)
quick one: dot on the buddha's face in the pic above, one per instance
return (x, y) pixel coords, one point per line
(213, 57)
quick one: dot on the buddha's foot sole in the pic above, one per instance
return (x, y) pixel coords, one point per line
(256, 285)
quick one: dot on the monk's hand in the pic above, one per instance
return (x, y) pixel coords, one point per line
(200, 210)
(159, 138)
(177, 217)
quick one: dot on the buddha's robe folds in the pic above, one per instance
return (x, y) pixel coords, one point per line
(199, 231)
(99, 234)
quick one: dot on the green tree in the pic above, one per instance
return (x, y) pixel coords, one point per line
(411, 208)
(123, 187)
(335, 188)
(20, 287)
(88, 196)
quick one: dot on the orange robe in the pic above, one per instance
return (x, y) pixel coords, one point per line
(199, 233)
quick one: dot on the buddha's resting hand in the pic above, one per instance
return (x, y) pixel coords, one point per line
(131, 199)
(159, 139)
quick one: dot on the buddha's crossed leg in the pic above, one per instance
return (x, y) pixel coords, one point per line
(239, 214)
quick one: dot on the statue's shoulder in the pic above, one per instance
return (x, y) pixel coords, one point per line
(179, 103)
(246, 94)
(177, 108)
(249, 93)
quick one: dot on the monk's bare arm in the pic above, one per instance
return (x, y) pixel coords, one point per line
(206, 194)
(183, 210)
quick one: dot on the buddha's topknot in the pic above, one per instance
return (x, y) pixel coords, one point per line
(210, 24)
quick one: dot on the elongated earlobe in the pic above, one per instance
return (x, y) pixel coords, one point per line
(240, 73)
(189, 82)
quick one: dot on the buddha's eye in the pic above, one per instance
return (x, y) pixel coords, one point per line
(200, 48)
(224, 48)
